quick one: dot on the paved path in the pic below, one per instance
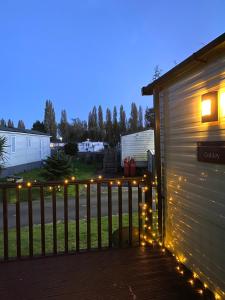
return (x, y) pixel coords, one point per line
(71, 208)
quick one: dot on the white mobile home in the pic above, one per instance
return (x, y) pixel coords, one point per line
(89, 146)
(190, 160)
(25, 149)
(136, 145)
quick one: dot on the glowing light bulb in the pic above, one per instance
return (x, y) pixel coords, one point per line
(92, 180)
(100, 177)
(19, 186)
(200, 291)
(191, 281)
(29, 184)
(66, 181)
(206, 107)
(73, 178)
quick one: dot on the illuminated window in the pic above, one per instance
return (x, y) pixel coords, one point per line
(209, 107)
(13, 144)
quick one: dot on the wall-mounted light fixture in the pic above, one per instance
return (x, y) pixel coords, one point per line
(210, 107)
(222, 104)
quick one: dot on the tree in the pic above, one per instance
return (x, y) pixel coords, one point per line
(157, 73)
(100, 123)
(10, 124)
(71, 149)
(64, 126)
(149, 118)
(21, 124)
(2, 123)
(133, 122)
(39, 126)
(122, 121)
(49, 120)
(108, 126)
(57, 167)
(2, 150)
(115, 128)
(93, 124)
(77, 131)
(140, 118)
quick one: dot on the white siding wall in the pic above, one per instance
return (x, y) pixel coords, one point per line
(194, 191)
(136, 146)
(28, 148)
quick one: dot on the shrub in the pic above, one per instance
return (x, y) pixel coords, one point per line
(71, 149)
(57, 167)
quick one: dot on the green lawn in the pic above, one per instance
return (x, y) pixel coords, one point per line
(60, 235)
(81, 170)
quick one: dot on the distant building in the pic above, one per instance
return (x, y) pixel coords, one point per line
(136, 146)
(89, 146)
(25, 149)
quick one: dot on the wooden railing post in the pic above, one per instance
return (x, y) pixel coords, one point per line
(18, 234)
(42, 208)
(148, 202)
(30, 222)
(5, 223)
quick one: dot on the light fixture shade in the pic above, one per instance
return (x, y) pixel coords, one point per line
(210, 107)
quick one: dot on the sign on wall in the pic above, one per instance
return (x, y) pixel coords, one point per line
(211, 152)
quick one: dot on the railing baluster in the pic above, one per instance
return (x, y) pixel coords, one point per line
(42, 206)
(148, 201)
(88, 218)
(139, 214)
(65, 218)
(5, 223)
(18, 234)
(30, 221)
(99, 215)
(130, 211)
(110, 214)
(120, 208)
(77, 218)
(54, 220)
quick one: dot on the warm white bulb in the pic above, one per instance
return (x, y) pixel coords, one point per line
(206, 107)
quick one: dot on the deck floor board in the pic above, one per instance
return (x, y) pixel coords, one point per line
(133, 274)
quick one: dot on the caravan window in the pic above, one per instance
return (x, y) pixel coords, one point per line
(13, 144)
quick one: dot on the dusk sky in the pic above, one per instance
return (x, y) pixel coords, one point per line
(91, 52)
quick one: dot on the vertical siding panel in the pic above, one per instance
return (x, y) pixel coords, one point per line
(194, 191)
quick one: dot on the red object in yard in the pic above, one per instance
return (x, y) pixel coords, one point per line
(132, 167)
(126, 167)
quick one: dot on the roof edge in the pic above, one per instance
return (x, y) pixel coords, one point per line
(195, 59)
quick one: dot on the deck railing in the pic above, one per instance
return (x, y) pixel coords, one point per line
(95, 209)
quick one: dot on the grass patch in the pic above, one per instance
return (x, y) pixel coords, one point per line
(60, 235)
(81, 171)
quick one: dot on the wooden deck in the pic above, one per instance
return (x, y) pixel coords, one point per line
(131, 273)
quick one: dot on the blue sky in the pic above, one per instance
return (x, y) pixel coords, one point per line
(91, 52)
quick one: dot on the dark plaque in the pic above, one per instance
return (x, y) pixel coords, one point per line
(211, 152)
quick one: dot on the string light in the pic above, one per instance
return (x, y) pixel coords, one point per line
(118, 182)
(134, 182)
(73, 178)
(92, 180)
(29, 184)
(205, 285)
(191, 281)
(66, 181)
(19, 186)
(200, 291)
(217, 296)
(100, 177)
(111, 182)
